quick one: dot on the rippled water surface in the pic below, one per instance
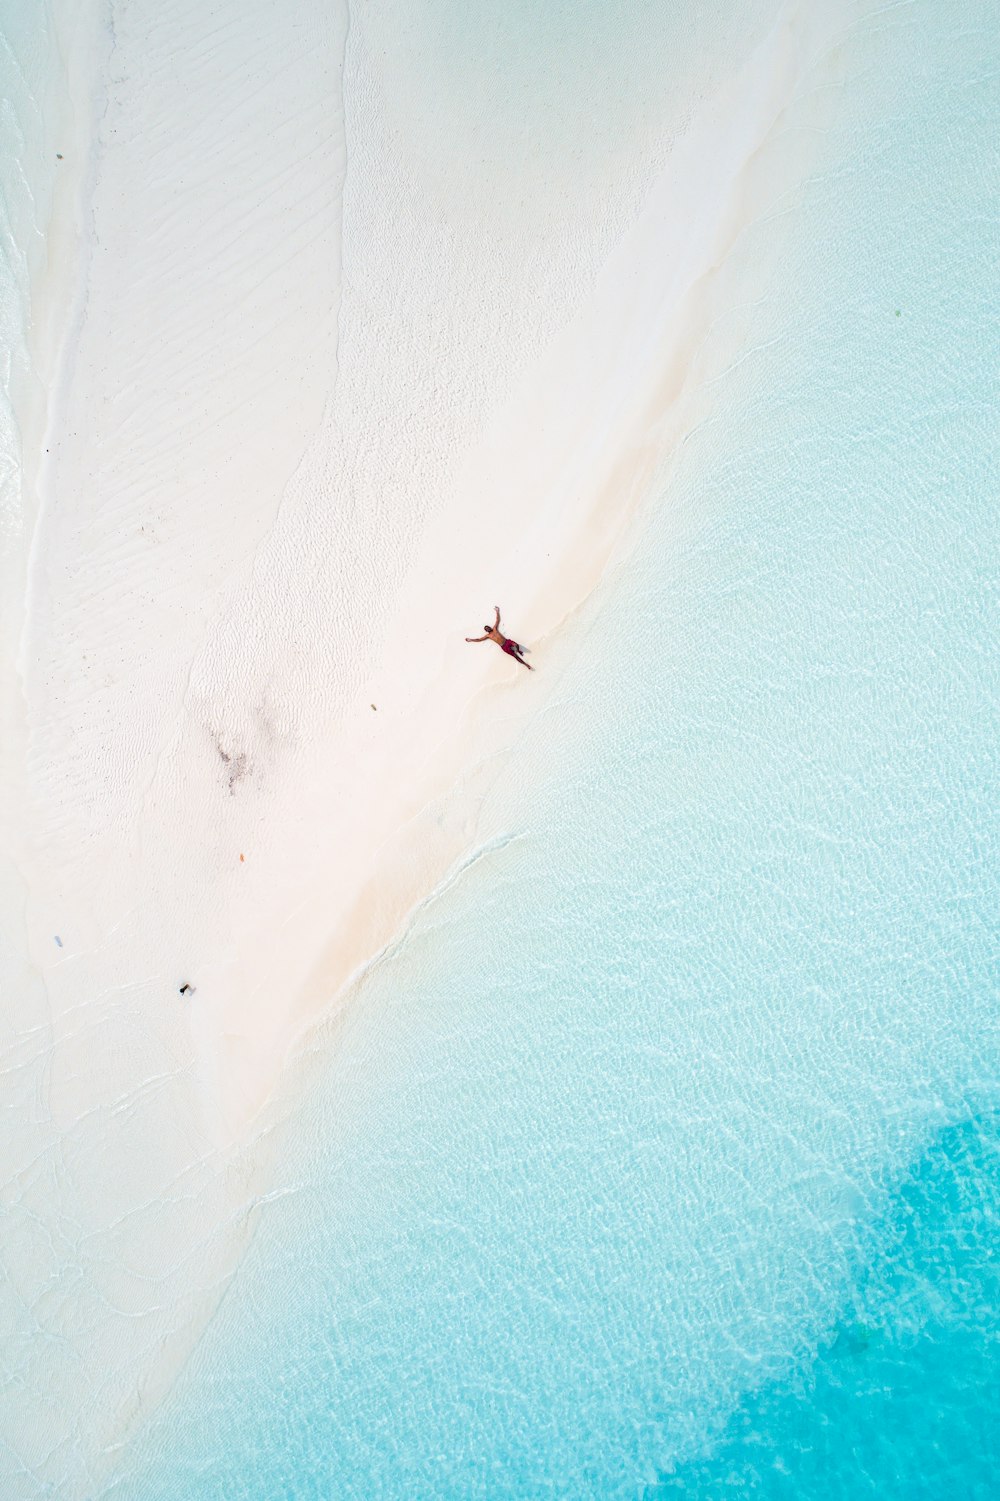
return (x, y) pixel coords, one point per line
(895, 1403)
(659, 1158)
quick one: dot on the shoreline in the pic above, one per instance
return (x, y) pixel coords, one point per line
(562, 465)
(580, 487)
(210, 798)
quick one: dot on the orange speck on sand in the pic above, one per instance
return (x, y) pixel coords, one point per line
(241, 857)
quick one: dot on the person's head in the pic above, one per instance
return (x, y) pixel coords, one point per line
(487, 629)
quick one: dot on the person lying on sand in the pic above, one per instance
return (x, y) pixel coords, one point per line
(494, 633)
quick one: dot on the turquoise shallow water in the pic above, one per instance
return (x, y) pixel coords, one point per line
(661, 1157)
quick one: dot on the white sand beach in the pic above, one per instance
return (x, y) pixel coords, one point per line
(313, 406)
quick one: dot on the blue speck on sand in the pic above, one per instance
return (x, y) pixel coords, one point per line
(58, 940)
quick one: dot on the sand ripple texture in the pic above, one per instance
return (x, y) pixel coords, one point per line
(368, 317)
(661, 1156)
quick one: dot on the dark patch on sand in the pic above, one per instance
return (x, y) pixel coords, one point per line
(237, 762)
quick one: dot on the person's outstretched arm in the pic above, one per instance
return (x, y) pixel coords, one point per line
(496, 623)
(477, 638)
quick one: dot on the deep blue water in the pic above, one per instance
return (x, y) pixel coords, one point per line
(661, 1157)
(898, 1399)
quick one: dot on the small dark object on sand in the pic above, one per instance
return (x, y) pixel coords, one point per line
(185, 988)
